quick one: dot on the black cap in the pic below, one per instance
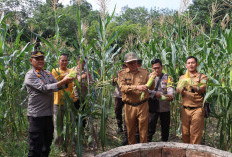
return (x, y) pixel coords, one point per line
(37, 54)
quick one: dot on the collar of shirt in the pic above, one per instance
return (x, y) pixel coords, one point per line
(194, 75)
(128, 70)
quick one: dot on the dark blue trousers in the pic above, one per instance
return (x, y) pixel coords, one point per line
(40, 136)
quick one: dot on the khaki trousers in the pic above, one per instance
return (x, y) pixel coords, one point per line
(192, 125)
(132, 115)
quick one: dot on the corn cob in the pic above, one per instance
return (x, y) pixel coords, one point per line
(163, 97)
(149, 83)
(187, 75)
(186, 82)
(72, 73)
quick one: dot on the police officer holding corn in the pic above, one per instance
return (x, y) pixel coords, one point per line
(132, 83)
(40, 86)
(164, 93)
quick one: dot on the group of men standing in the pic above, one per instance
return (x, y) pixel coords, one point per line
(130, 83)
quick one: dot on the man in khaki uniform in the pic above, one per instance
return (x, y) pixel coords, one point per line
(132, 82)
(192, 112)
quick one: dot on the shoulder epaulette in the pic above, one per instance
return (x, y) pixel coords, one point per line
(170, 82)
(47, 72)
(122, 70)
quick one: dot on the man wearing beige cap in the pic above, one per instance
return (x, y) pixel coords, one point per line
(132, 82)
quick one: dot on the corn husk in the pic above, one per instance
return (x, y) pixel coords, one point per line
(163, 97)
(149, 83)
(186, 82)
(72, 73)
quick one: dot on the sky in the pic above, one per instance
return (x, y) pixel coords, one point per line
(171, 4)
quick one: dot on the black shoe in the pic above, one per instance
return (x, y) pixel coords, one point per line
(120, 129)
(124, 142)
(149, 139)
(137, 138)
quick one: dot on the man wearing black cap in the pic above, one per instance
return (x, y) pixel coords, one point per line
(40, 87)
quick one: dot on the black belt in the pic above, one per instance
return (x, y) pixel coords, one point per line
(190, 108)
(136, 104)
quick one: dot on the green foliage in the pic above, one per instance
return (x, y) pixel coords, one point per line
(215, 10)
(169, 36)
(137, 15)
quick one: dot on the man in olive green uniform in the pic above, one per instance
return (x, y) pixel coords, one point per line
(132, 82)
(192, 112)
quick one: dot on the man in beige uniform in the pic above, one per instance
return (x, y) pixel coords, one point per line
(132, 82)
(192, 113)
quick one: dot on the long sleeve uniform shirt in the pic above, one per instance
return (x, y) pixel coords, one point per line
(129, 80)
(194, 98)
(165, 87)
(40, 87)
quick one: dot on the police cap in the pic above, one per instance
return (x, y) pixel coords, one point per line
(37, 54)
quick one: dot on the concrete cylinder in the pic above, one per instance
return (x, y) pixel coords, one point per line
(165, 149)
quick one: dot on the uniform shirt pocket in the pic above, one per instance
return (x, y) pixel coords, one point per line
(128, 81)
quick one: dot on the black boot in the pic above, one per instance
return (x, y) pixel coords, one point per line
(149, 138)
(120, 128)
(125, 139)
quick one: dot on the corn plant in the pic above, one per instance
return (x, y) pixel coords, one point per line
(172, 42)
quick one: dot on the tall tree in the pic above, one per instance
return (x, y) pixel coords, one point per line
(216, 10)
(137, 15)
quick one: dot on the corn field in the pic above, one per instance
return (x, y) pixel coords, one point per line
(171, 41)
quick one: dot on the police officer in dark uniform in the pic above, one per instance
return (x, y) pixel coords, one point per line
(40, 87)
(164, 94)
